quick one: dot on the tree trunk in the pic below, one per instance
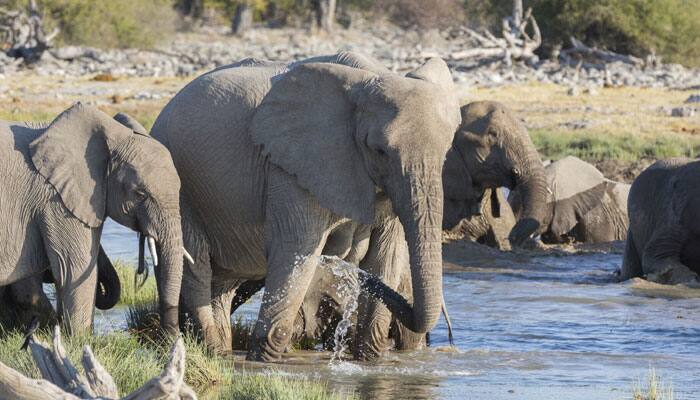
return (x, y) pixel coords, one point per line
(325, 14)
(243, 19)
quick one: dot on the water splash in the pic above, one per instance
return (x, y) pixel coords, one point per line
(348, 289)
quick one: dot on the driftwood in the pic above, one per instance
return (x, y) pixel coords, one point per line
(580, 52)
(514, 44)
(61, 379)
(23, 35)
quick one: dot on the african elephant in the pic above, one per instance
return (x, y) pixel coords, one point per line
(276, 159)
(58, 184)
(581, 204)
(491, 224)
(663, 241)
(492, 149)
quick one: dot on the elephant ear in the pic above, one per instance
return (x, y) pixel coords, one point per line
(306, 126)
(577, 187)
(131, 123)
(436, 71)
(73, 155)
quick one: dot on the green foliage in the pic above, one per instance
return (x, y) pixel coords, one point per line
(107, 24)
(133, 294)
(669, 27)
(595, 147)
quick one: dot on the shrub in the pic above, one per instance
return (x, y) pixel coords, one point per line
(107, 24)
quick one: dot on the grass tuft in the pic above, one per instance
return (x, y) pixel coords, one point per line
(655, 388)
(132, 294)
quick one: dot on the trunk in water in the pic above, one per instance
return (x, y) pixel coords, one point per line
(169, 276)
(417, 200)
(532, 187)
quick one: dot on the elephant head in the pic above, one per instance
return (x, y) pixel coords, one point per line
(355, 139)
(101, 168)
(492, 149)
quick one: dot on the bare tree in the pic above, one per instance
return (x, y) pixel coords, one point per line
(325, 14)
(243, 18)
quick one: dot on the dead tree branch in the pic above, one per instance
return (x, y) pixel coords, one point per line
(62, 381)
(514, 44)
(592, 55)
(22, 34)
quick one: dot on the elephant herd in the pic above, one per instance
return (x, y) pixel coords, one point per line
(260, 173)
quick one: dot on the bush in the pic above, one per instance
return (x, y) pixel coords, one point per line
(107, 24)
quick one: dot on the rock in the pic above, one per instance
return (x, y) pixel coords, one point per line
(573, 91)
(579, 124)
(694, 98)
(683, 112)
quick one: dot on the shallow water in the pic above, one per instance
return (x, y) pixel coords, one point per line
(526, 327)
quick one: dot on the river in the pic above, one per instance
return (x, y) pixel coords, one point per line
(528, 325)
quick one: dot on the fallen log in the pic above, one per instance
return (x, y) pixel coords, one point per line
(580, 51)
(22, 33)
(62, 381)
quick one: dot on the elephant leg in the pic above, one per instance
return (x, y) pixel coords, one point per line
(386, 257)
(296, 229)
(74, 266)
(631, 263)
(197, 299)
(661, 259)
(28, 294)
(223, 292)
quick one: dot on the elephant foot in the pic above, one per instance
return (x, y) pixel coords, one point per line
(269, 348)
(675, 275)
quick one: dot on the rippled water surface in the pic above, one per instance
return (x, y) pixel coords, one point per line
(527, 326)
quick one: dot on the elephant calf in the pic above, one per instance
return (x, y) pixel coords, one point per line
(663, 242)
(58, 183)
(581, 204)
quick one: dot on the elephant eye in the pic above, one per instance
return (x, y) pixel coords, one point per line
(381, 152)
(140, 194)
(516, 172)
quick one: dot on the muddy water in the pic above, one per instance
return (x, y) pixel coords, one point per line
(529, 325)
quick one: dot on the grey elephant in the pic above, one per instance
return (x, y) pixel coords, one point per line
(279, 160)
(663, 242)
(582, 205)
(490, 224)
(492, 149)
(58, 184)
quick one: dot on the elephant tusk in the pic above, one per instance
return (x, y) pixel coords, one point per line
(152, 249)
(187, 255)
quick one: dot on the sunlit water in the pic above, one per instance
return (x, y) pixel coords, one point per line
(526, 327)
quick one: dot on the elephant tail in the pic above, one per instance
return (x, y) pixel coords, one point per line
(108, 284)
(447, 320)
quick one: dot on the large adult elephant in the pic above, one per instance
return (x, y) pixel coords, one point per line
(492, 149)
(663, 243)
(277, 159)
(582, 205)
(58, 183)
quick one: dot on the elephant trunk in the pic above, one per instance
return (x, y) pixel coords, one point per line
(169, 272)
(531, 184)
(108, 284)
(417, 198)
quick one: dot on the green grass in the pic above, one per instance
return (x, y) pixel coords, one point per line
(594, 147)
(655, 388)
(132, 294)
(132, 361)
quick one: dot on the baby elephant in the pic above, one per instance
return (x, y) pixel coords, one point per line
(58, 183)
(663, 243)
(582, 205)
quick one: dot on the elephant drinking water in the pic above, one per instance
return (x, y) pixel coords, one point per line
(276, 158)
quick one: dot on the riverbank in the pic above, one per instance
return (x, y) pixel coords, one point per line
(621, 130)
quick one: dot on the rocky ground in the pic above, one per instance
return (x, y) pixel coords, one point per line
(187, 53)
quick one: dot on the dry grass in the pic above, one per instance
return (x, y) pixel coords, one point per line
(655, 388)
